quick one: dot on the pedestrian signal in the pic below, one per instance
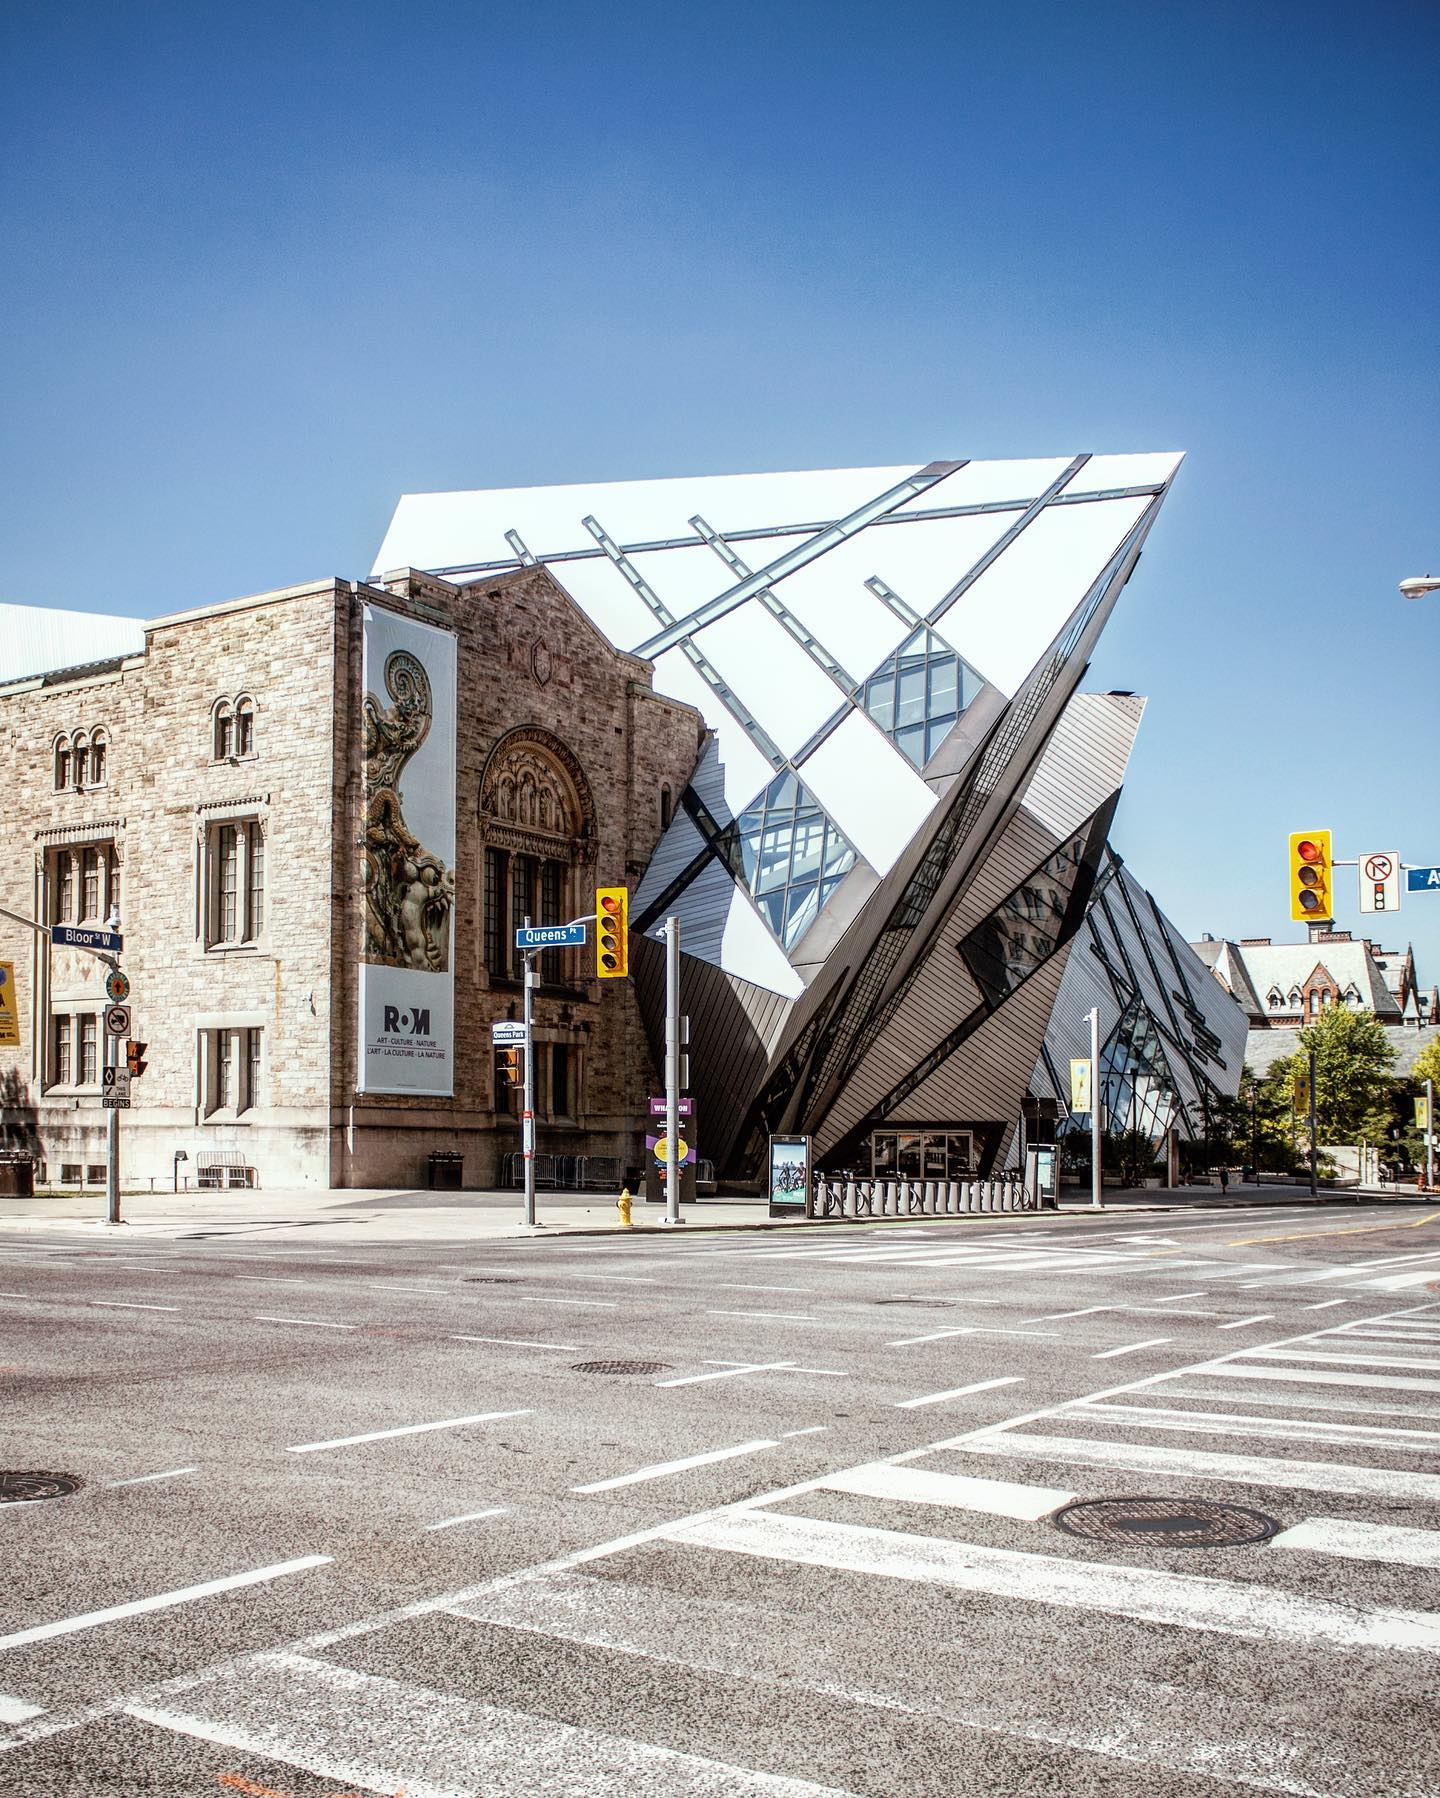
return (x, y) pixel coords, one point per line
(612, 932)
(511, 1063)
(135, 1058)
(1310, 875)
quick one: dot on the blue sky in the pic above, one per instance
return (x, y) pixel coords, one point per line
(267, 268)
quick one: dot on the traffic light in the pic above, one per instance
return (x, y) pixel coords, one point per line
(612, 932)
(1310, 875)
(511, 1063)
(135, 1058)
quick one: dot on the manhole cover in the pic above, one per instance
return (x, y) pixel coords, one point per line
(621, 1367)
(1169, 1522)
(15, 1488)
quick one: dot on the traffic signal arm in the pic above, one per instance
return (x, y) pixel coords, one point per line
(612, 932)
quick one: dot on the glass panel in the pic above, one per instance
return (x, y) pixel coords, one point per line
(92, 884)
(244, 731)
(1024, 929)
(255, 921)
(935, 1157)
(916, 696)
(252, 1072)
(958, 1157)
(882, 1156)
(1138, 1086)
(785, 841)
(88, 1067)
(229, 882)
(64, 1065)
(495, 911)
(907, 1157)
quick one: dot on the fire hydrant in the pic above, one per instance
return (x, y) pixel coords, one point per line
(622, 1205)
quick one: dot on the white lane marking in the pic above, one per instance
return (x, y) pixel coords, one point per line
(385, 1735)
(409, 1429)
(1182, 1600)
(1323, 1376)
(969, 1330)
(663, 1469)
(727, 1373)
(623, 1279)
(919, 1486)
(1175, 1297)
(1243, 1323)
(521, 1342)
(1130, 1348)
(127, 1305)
(535, 1298)
(310, 1323)
(935, 1398)
(144, 1479)
(815, 1429)
(934, 1336)
(1363, 1541)
(1326, 1304)
(1194, 1463)
(448, 1523)
(16, 1710)
(739, 1286)
(162, 1601)
(794, 1317)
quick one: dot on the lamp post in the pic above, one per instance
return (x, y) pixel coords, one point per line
(1418, 585)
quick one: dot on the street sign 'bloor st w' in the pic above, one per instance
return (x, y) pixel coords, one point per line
(71, 936)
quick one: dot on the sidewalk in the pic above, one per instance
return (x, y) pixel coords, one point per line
(408, 1215)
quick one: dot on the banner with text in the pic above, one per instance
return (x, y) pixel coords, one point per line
(407, 871)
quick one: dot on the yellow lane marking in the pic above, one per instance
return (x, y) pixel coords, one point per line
(1241, 1242)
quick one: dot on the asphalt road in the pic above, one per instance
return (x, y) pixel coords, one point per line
(360, 1520)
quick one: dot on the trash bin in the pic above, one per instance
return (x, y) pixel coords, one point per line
(447, 1170)
(17, 1176)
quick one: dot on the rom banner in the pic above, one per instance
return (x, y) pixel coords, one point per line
(407, 871)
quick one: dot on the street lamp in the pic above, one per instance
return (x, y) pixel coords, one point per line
(1418, 585)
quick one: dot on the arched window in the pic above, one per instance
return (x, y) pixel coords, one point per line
(224, 730)
(537, 820)
(80, 758)
(99, 744)
(62, 763)
(244, 726)
(1275, 998)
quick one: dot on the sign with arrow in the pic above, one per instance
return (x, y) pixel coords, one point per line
(1380, 881)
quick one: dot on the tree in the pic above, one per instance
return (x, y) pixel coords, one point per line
(1354, 1075)
(1269, 1110)
(1427, 1065)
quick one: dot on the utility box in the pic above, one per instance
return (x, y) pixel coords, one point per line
(17, 1176)
(447, 1170)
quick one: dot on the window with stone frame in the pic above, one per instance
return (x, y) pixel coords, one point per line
(233, 886)
(81, 759)
(233, 727)
(82, 882)
(231, 1070)
(73, 1047)
(537, 824)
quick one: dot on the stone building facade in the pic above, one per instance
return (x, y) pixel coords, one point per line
(208, 789)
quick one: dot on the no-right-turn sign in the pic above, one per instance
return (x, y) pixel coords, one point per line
(1380, 881)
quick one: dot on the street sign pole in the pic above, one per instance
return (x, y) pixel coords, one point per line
(527, 1114)
(672, 1071)
(1430, 1134)
(1096, 1090)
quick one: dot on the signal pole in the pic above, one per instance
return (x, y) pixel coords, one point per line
(527, 1107)
(1430, 1134)
(1314, 1186)
(1095, 1100)
(672, 1071)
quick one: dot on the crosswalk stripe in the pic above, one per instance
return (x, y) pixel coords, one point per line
(1302, 1429)
(1345, 1407)
(1247, 1470)
(1182, 1600)
(1430, 1362)
(1315, 1376)
(388, 1736)
(1148, 1724)
(1363, 1541)
(918, 1485)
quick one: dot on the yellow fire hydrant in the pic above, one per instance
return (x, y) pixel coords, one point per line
(622, 1205)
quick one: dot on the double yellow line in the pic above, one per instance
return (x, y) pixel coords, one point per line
(1241, 1242)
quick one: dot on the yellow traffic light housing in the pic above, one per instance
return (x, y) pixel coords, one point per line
(1310, 876)
(135, 1058)
(612, 932)
(512, 1065)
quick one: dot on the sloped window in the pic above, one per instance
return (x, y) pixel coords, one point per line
(916, 695)
(1028, 926)
(793, 856)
